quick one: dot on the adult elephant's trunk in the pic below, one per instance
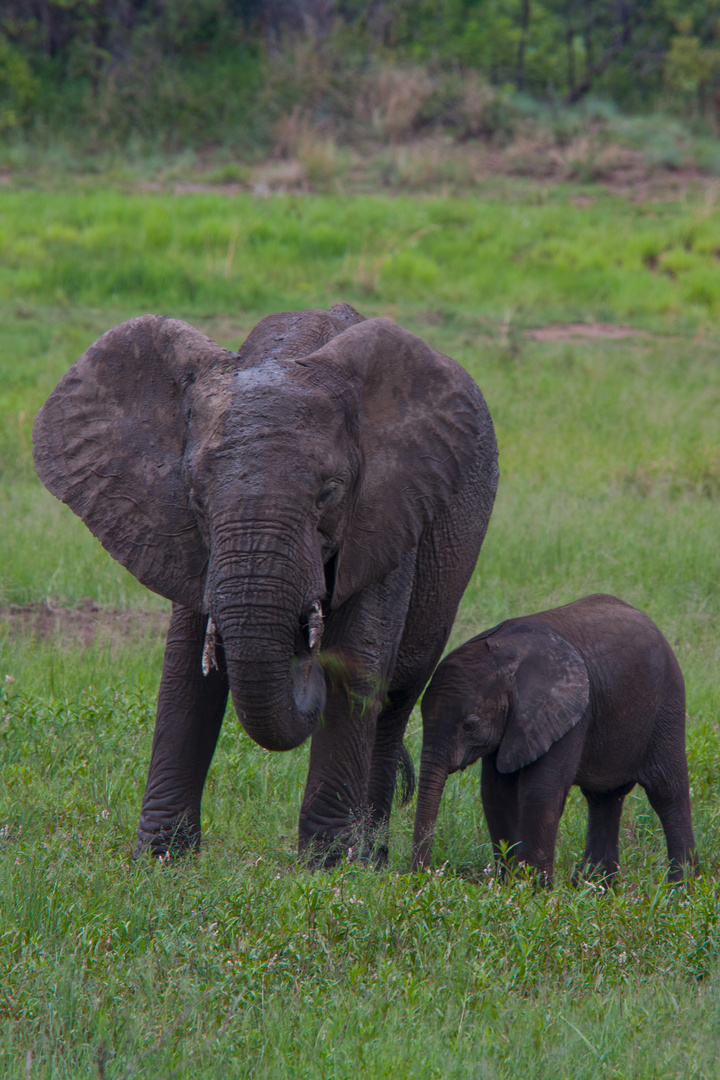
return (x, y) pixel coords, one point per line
(261, 598)
(433, 774)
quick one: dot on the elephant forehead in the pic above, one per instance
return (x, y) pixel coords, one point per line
(266, 427)
(268, 404)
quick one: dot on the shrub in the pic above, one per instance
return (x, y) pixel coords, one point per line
(18, 87)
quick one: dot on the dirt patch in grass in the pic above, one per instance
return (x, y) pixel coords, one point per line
(440, 164)
(88, 624)
(588, 331)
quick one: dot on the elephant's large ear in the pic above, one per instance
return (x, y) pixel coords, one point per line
(548, 689)
(421, 424)
(109, 442)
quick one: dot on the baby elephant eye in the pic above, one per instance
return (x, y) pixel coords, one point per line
(330, 493)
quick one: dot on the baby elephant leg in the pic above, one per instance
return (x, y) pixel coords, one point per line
(523, 811)
(665, 779)
(543, 790)
(500, 803)
(672, 806)
(601, 856)
(540, 812)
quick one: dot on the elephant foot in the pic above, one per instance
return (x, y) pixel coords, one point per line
(179, 840)
(539, 877)
(600, 875)
(379, 856)
(680, 872)
(325, 851)
(362, 841)
(327, 855)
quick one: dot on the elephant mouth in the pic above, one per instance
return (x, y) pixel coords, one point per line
(470, 756)
(312, 621)
(330, 572)
(308, 679)
(314, 626)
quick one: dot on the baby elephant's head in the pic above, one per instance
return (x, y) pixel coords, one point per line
(464, 709)
(514, 690)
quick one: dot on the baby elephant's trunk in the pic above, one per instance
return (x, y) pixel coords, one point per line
(433, 774)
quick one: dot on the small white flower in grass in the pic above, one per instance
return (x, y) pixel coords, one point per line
(9, 678)
(622, 958)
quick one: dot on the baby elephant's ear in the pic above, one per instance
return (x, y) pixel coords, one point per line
(549, 692)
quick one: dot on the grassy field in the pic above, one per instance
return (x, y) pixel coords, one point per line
(240, 964)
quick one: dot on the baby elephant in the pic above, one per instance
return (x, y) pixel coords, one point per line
(588, 694)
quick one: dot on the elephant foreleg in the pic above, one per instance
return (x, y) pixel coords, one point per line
(190, 711)
(389, 733)
(334, 809)
(361, 643)
(540, 813)
(444, 563)
(543, 789)
(500, 804)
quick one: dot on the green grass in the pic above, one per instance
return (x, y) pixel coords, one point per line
(655, 265)
(240, 964)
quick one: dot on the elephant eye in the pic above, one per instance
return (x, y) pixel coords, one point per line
(330, 493)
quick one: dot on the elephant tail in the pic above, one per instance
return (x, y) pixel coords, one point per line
(405, 776)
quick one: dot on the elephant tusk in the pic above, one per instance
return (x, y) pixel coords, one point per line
(315, 626)
(208, 653)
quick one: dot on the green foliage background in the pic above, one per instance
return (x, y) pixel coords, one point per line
(212, 72)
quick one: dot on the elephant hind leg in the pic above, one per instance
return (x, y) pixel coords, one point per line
(672, 806)
(601, 857)
(667, 784)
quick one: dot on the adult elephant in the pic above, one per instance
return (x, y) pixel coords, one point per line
(313, 506)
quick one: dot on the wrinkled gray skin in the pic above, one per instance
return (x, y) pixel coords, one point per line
(322, 495)
(588, 694)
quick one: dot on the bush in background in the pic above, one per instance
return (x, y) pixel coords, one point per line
(197, 73)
